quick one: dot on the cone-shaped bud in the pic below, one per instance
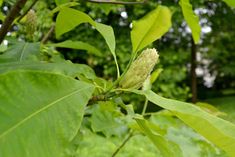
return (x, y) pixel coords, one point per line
(140, 69)
(31, 22)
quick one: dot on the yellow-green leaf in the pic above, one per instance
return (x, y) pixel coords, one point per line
(150, 28)
(192, 19)
(216, 130)
(161, 143)
(69, 18)
(231, 3)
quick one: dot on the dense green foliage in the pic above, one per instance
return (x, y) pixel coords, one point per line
(76, 80)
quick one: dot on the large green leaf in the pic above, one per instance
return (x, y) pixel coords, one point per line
(231, 3)
(20, 51)
(150, 28)
(69, 18)
(40, 113)
(65, 68)
(158, 140)
(216, 130)
(78, 45)
(191, 18)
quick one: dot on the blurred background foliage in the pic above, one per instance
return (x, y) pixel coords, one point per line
(215, 71)
(215, 53)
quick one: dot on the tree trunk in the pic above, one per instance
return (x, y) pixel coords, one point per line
(193, 71)
(14, 12)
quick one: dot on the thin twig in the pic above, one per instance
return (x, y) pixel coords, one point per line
(116, 2)
(25, 13)
(123, 144)
(49, 33)
(101, 97)
(14, 12)
(145, 106)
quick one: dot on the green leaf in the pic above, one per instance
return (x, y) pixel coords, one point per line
(20, 51)
(108, 34)
(216, 130)
(192, 19)
(69, 18)
(191, 143)
(78, 45)
(65, 68)
(40, 113)
(150, 28)
(107, 118)
(155, 74)
(61, 6)
(90, 144)
(226, 105)
(158, 140)
(59, 2)
(231, 3)
(2, 16)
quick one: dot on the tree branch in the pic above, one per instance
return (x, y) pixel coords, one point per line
(123, 144)
(49, 33)
(25, 13)
(14, 12)
(116, 2)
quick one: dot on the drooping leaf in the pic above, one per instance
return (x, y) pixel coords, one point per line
(20, 51)
(216, 130)
(40, 113)
(65, 68)
(78, 45)
(108, 34)
(163, 145)
(231, 3)
(150, 28)
(74, 18)
(192, 19)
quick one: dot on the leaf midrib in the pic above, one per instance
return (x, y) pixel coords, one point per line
(23, 50)
(38, 112)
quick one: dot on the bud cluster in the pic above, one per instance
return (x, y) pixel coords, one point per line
(140, 69)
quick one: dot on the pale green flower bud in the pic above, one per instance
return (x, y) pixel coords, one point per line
(31, 22)
(140, 69)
